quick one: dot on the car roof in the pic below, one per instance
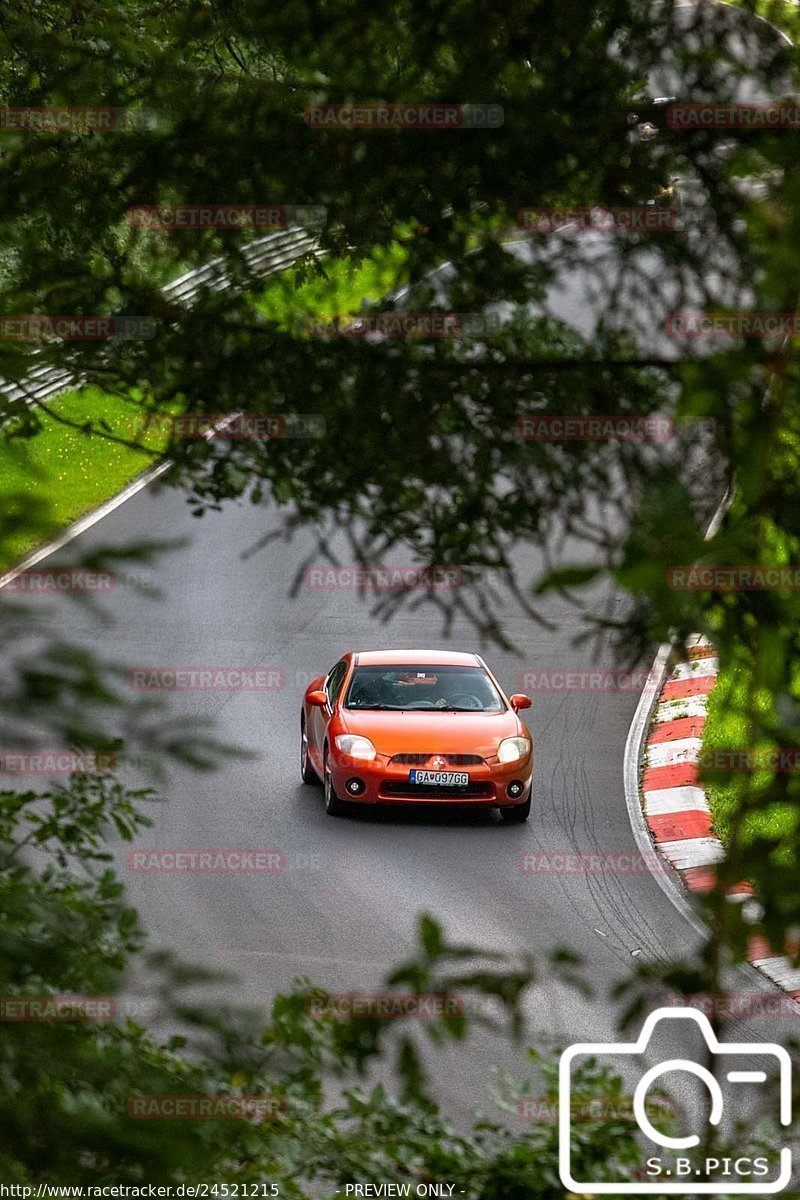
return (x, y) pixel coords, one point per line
(413, 658)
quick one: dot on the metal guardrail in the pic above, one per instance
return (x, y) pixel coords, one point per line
(266, 256)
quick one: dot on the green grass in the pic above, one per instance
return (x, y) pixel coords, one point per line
(342, 287)
(781, 13)
(61, 473)
(725, 729)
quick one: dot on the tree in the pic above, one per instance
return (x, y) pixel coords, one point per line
(219, 94)
(90, 1099)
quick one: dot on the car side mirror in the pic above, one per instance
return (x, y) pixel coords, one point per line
(317, 699)
(519, 701)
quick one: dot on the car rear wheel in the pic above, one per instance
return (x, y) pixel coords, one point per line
(517, 814)
(307, 772)
(334, 807)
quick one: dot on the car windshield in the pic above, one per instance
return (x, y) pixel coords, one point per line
(412, 687)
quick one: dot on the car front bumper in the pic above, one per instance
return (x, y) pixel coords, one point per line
(387, 782)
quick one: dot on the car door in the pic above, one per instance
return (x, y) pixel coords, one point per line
(320, 717)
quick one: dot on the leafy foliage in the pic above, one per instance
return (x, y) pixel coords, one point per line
(422, 448)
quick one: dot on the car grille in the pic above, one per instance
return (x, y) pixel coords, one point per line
(452, 760)
(436, 791)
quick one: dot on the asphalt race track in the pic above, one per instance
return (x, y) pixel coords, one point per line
(344, 909)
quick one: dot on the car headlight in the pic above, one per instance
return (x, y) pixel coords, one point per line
(511, 749)
(355, 746)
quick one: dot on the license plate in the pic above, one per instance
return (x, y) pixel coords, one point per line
(449, 778)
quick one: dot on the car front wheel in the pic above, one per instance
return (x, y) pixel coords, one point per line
(334, 807)
(517, 814)
(307, 772)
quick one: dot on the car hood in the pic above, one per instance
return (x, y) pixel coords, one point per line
(434, 732)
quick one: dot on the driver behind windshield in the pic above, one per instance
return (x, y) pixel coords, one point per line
(464, 688)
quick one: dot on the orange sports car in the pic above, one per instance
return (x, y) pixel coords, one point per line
(416, 726)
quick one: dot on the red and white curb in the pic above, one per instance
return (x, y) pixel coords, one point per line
(675, 806)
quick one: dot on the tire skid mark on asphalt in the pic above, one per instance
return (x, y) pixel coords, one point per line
(571, 782)
(614, 893)
(610, 891)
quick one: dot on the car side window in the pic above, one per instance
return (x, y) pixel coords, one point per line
(334, 681)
